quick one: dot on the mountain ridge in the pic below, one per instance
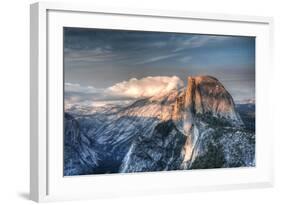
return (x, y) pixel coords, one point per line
(185, 126)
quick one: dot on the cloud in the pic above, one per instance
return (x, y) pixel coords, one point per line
(198, 41)
(97, 54)
(156, 58)
(145, 87)
(75, 87)
(186, 59)
(104, 47)
(133, 89)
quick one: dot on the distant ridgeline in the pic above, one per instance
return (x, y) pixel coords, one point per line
(197, 127)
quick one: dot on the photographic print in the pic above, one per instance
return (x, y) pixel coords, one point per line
(142, 101)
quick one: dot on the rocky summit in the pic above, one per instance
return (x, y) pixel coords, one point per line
(197, 127)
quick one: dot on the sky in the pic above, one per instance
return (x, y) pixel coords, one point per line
(105, 65)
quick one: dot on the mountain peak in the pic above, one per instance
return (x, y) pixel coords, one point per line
(189, 127)
(204, 95)
(210, 96)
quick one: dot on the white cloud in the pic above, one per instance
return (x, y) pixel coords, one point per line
(145, 87)
(75, 87)
(125, 91)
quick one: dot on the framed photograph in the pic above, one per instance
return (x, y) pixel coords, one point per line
(127, 102)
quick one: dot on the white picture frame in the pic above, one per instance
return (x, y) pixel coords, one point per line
(46, 179)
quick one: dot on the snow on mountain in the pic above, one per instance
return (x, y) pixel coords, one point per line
(79, 155)
(185, 128)
(214, 134)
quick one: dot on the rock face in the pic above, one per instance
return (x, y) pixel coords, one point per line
(79, 155)
(205, 129)
(205, 95)
(161, 151)
(196, 127)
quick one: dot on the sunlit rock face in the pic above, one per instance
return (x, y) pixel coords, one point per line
(205, 95)
(196, 127)
(210, 96)
(207, 131)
